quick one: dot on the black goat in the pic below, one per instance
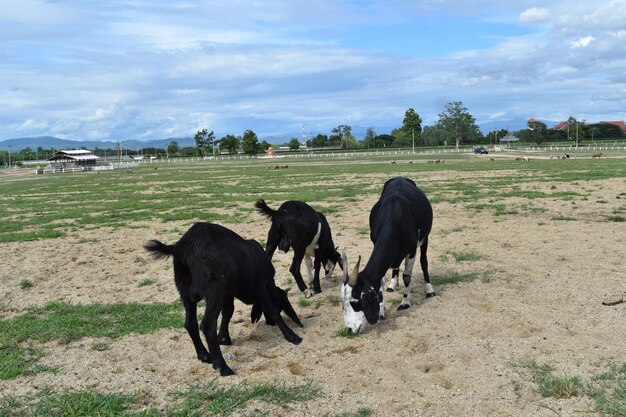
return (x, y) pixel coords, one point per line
(297, 225)
(400, 221)
(214, 263)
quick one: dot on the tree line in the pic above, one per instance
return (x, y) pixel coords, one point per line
(455, 126)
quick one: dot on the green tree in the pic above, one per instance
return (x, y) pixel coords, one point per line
(538, 131)
(250, 143)
(369, 141)
(604, 130)
(458, 124)
(435, 135)
(412, 125)
(264, 145)
(205, 141)
(319, 141)
(230, 143)
(294, 144)
(342, 135)
(173, 148)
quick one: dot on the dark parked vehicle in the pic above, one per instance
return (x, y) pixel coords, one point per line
(481, 150)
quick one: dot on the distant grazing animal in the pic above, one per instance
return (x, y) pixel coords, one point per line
(214, 263)
(297, 225)
(392, 163)
(130, 171)
(400, 222)
(596, 155)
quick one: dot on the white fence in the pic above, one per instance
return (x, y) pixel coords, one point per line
(54, 170)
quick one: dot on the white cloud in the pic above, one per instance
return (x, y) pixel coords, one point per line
(582, 42)
(534, 15)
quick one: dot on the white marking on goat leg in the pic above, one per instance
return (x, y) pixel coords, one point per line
(310, 250)
(406, 278)
(308, 293)
(393, 283)
(309, 268)
(429, 289)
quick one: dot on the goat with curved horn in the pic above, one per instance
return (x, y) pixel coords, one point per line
(400, 222)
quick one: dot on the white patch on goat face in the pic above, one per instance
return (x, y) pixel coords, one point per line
(310, 250)
(354, 320)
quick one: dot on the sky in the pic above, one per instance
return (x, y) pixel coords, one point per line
(131, 69)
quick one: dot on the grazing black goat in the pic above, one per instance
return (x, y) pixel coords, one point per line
(297, 225)
(214, 263)
(400, 221)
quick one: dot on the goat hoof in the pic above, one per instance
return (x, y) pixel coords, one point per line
(430, 294)
(226, 371)
(296, 340)
(307, 293)
(225, 341)
(403, 307)
(317, 290)
(205, 358)
(389, 289)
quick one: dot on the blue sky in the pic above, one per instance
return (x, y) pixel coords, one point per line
(130, 69)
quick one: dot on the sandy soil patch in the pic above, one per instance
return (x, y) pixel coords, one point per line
(538, 298)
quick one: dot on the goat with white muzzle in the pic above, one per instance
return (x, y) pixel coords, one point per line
(400, 221)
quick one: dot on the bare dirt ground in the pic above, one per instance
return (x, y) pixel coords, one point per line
(538, 298)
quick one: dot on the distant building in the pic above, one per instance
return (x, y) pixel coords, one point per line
(73, 158)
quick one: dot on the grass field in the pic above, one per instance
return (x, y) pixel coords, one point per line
(79, 208)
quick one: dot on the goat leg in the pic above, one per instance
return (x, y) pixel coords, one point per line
(317, 265)
(227, 313)
(209, 327)
(191, 324)
(269, 309)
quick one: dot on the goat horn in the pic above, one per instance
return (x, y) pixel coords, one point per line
(355, 273)
(344, 260)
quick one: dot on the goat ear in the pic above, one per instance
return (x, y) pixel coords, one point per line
(355, 273)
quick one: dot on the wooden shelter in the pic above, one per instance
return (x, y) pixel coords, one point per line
(77, 158)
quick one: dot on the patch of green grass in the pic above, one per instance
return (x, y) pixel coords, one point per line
(346, 333)
(455, 278)
(210, 399)
(303, 302)
(363, 230)
(446, 232)
(361, 412)
(549, 385)
(101, 346)
(333, 299)
(607, 388)
(65, 323)
(467, 256)
(560, 217)
(145, 282)
(616, 218)
(26, 283)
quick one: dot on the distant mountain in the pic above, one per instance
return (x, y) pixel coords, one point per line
(49, 142)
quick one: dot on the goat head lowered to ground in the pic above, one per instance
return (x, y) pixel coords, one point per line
(400, 221)
(297, 225)
(214, 263)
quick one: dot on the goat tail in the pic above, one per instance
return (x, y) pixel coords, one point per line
(159, 250)
(264, 209)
